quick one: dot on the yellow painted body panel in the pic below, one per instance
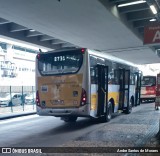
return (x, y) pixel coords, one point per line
(115, 96)
(60, 91)
(94, 99)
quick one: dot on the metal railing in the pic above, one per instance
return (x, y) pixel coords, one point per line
(17, 99)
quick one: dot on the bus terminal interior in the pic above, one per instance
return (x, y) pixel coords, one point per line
(80, 77)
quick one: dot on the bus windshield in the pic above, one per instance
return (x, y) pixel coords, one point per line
(148, 81)
(59, 63)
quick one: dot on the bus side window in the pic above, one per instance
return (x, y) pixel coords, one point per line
(93, 76)
(116, 76)
(113, 77)
(113, 73)
(101, 61)
(132, 79)
(153, 82)
(110, 73)
(93, 71)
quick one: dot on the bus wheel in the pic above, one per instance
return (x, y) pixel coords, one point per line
(108, 115)
(129, 108)
(69, 118)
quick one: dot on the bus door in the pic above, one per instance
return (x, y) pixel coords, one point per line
(137, 88)
(124, 81)
(102, 90)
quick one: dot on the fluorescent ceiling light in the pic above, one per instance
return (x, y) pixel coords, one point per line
(152, 20)
(153, 9)
(32, 30)
(132, 3)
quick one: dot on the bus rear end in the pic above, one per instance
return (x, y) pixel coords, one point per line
(148, 88)
(60, 84)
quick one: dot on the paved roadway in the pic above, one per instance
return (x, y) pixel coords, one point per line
(36, 131)
(137, 129)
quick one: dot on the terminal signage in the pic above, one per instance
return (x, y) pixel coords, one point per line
(152, 34)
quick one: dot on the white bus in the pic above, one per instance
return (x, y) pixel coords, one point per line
(84, 83)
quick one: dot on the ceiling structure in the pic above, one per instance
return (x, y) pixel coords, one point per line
(13, 30)
(94, 24)
(139, 15)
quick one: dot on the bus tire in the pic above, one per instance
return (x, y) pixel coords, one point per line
(129, 108)
(69, 119)
(107, 117)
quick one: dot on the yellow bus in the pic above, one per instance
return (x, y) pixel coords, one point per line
(73, 83)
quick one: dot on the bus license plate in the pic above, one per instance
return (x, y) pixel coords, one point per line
(57, 102)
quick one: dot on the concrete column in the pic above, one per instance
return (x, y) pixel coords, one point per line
(10, 53)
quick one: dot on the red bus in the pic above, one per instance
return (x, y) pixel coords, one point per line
(157, 100)
(148, 88)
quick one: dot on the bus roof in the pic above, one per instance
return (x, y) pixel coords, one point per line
(62, 50)
(110, 57)
(96, 53)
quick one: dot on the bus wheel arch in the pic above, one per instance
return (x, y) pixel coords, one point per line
(132, 101)
(112, 103)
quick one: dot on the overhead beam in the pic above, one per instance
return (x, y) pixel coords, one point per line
(158, 3)
(45, 38)
(121, 1)
(121, 17)
(141, 15)
(142, 23)
(134, 8)
(34, 37)
(15, 27)
(4, 21)
(33, 33)
(65, 45)
(57, 41)
(20, 35)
